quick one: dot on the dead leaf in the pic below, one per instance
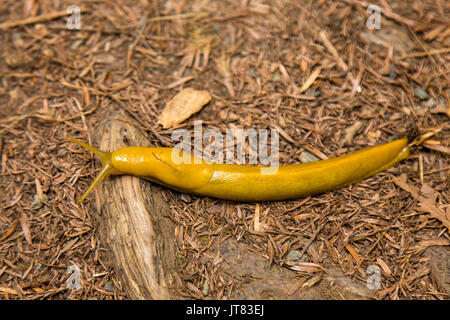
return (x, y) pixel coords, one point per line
(427, 203)
(182, 106)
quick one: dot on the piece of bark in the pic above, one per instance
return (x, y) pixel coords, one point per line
(134, 222)
(187, 102)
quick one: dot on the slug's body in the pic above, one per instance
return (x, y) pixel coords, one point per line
(244, 182)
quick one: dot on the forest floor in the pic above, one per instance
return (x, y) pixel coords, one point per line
(331, 77)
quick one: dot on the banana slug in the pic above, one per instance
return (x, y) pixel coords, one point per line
(245, 182)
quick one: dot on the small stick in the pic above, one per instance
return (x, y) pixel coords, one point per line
(180, 16)
(323, 38)
(421, 169)
(38, 19)
(426, 53)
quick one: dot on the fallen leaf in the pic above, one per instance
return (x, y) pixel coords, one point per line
(428, 202)
(182, 106)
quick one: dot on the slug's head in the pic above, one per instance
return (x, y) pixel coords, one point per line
(107, 166)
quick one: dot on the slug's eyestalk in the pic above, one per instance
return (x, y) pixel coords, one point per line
(107, 167)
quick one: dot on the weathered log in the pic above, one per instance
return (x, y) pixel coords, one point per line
(134, 222)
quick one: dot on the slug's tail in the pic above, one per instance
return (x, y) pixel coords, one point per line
(107, 167)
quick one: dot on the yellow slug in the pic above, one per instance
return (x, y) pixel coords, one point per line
(246, 182)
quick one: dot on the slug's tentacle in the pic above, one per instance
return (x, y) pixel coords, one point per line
(107, 167)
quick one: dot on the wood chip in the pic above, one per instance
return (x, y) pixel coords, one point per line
(10, 230)
(187, 102)
(384, 266)
(25, 227)
(353, 253)
(312, 77)
(256, 225)
(8, 290)
(351, 131)
(307, 267)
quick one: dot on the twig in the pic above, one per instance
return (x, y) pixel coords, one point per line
(38, 19)
(324, 39)
(180, 16)
(426, 53)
